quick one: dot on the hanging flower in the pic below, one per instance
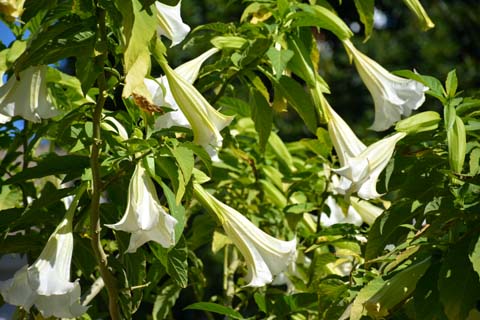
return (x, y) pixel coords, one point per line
(162, 95)
(206, 122)
(362, 172)
(27, 96)
(46, 283)
(170, 23)
(393, 96)
(265, 255)
(11, 9)
(144, 217)
(360, 165)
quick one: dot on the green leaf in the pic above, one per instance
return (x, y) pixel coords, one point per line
(358, 310)
(301, 208)
(301, 63)
(233, 106)
(214, 307)
(279, 60)
(283, 7)
(65, 90)
(280, 150)
(274, 195)
(458, 283)
(67, 37)
(177, 265)
(52, 164)
(262, 115)
(185, 161)
(451, 83)
(365, 10)
(176, 210)
(165, 300)
(299, 100)
(87, 71)
(387, 228)
(135, 266)
(331, 294)
(318, 16)
(396, 289)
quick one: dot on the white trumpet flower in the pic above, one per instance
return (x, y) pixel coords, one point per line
(162, 95)
(170, 23)
(206, 121)
(46, 283)
(363, 171)
(27, 97)
(393, 96)
(265, 255)
(144, 217)
(360, 165)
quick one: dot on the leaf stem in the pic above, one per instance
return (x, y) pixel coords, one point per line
(95, 226)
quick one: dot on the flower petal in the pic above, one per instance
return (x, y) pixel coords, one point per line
(393, 96)
(27, 97)
(170, 23)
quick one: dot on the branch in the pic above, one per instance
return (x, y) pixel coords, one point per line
(95, 226)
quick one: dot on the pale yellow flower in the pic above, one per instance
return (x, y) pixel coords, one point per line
(144, 217)
(170, 23)
(27, 96)
(265, 255)
(393, 96)
(46, 283)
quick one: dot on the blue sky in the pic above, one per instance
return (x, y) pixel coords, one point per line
(6, 36)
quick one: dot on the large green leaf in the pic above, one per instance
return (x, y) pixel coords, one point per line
(262, 115)
(358, 310)
(299, 100)
(396, 289)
